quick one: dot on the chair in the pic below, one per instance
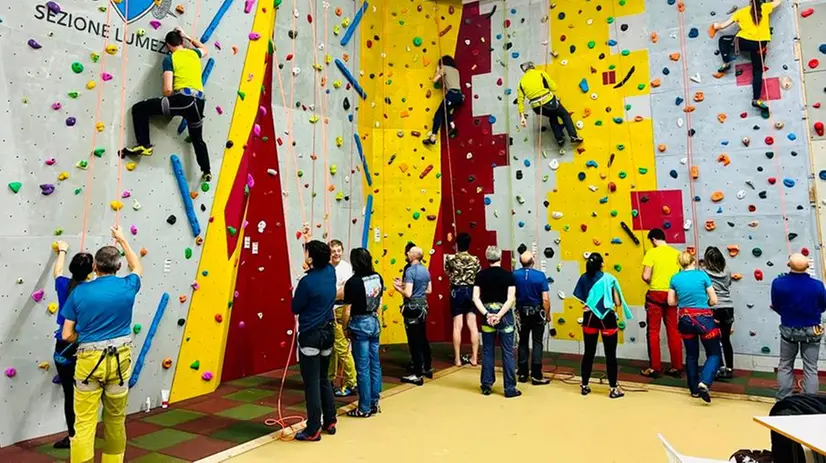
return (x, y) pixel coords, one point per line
(676, 457)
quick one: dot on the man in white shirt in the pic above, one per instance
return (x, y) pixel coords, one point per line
(342, 357)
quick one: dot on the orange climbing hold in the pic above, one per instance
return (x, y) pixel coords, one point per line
(722, 118)
(689, 108)
(733, 250)
(717, 196)
(656, 83)
(666, 210)
(661, 148)
(736, 276)
(638, 119)
(654, 37)
(586, 112)
(712, 31)
(710, 225)
(691, 250)
(681, 7)
(695, 172)
(724, 159)
(182, 298)
(674, 57)
(699, 96)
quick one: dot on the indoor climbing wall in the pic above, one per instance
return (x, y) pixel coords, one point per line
(668, 145)
(69, 81)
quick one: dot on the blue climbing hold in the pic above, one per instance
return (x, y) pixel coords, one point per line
(791, 137)
(498, 36)
(618, 120)
(724, 142)
(823, 48)
(591, 163)
(583, 85)
(671, 2)
(492, 119)
(581, 176)
(822, 174)
(547, 227)
(667, 225)
(666, 71)
(612, 43)
(693, 33)
(616, 241)
(678, 101)
(527, 162)
(603, 200)
(788, 182)
(515, 55)
(696, 199)
(673, 173)
(508, 91)
(521, 224)
(487, 201)
(513, 10)
(561, 15)
(719, 210)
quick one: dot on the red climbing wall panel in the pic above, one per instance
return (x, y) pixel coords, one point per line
(261, 316)
(652, 212)
(771, 85)
(471, 178)
(237, 201)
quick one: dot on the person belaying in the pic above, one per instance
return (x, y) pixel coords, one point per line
(753, 37)
(98, 317)
(64, 353)
(447, 73)
(800, 300)
(183, 95)
(692, 292)
(313, 303)
(341, 348)
(461, 269)
(714, 264)
(601, 296)
(414, 287)
(494, 295)
(533, 307)
(538, 87)
(659, 265)
(362, 298)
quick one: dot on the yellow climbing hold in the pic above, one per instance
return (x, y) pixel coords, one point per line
(131, 165)
(116, 205)
(91, 84)
(63, 176)
(52, 308)
(339, 141)
(337, 84)
(44, 366)
(99, 126)
(313, 119)
(112, 49)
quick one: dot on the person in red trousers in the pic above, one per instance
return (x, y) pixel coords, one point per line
(659, 265)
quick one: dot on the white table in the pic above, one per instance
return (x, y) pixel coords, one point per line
(807, 430)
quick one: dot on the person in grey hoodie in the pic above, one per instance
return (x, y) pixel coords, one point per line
(714, 264)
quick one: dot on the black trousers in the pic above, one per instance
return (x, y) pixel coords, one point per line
(531, 330)
(315, 346)
(66, 374)
(554, 112)
(592, 326)
(725, 319)
(728, 45)
(188, 107)
(419, 346)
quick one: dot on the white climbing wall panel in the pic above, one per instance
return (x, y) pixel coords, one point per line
(32, 82)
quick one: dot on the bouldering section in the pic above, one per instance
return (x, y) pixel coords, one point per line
(70, 73)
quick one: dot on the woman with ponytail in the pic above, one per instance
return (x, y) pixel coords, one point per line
(80, 269)
(601, 295)
(753, 37)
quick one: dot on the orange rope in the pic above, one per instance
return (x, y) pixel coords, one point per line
(446, 128)
(123, 62)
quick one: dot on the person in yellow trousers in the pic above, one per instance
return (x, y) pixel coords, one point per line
(342, 356)
(98, 316)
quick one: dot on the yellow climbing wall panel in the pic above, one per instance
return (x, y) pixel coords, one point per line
(205, 339)
(398, 102)
(631, 143)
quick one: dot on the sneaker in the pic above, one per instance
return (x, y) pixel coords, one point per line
(576, 140)
(522, 378)
(307, 437)
(674, 373)
(430, 140)
(344, 392)
(486, 390)
(413, 379)
(513, 393)
(702, 392)
(540, 381)
(724, 68)
(429, 374)
(760, 104)
(584, 389)
(560, 141)
(137, 150)
(330, 428)
(64, 443)
(375, 410)
(616, 393)
(207, 177)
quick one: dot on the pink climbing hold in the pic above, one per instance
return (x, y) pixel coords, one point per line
(219, 110)
(255, 36)
(126, 194)
(37, 296)
(807, 12)
(133, 229)
(155, 24)
(51, 161)
(256, 130)
(195, 286)
(217, 45)
(262, 111)
(813, 63)
(106, 77)
(250, 181)
(56, 105)
(11, 372)
(207, 376)
(248, 6)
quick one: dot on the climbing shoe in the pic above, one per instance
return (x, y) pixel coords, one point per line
(616, 393)
(486, 390)
(344, 392)
(513, 393)
(702, 391)
(760, 104)
(330, 428)
(413, 379)
(540, 381)
(724, 68)
(207, 177)
(64, 443)
(430, 140)
(584, 389)
(523, 378)
(674, 373)
(576, 140)
(137, 150)
(724, 373)
(307, 437)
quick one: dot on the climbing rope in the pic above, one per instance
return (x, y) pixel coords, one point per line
(446, 128)
(506, 83)
(352, 168)
(122, 137)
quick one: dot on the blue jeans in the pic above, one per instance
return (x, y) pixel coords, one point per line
(696, 329)
(365, 331)
(504, 331)
(453, 99)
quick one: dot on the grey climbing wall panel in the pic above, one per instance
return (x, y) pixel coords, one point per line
(32, 131)
(813, 62)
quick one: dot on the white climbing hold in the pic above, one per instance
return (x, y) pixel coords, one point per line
(586, 255)
(561, 295)
(592, 187)
(272, 172)
(136, 205)
(696, 78)
(296, 71)
(556, 215)
(680, 122)
(741, 194)
(580, 125)
(469, 155)
(580, 320)
(687, 225)
(564, 62)
(432, 251)
(594, 96)
(683, 161)
(262, 225)
(554, 164)
(289, 332)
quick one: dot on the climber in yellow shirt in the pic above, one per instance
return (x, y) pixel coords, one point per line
(539, 89)
(753, 37)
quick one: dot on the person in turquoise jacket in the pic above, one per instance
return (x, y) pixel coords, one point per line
(601, 295)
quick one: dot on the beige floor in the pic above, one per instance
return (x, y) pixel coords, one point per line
(448, 420)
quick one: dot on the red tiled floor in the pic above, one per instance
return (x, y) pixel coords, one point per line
(762, 382)
(133, 453)
(288, 399)
(135, 428)
(19, 454)
(225, 389)
(205, 425)
(214, 405)
(730, 388)
(198, 448)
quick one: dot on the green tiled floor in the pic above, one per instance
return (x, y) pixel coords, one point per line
(244, 431)
(250, 381)
(249, 395)
(246, 412)
(162, 439)
(173, 417)
(157, 458)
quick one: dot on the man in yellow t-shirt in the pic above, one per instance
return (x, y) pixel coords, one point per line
(659, 265)
(183, 95)
(539, 89)
(753, 37)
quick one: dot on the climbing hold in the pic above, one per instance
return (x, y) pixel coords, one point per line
(819, 128)
(171, 219)
(733, 250)
(710, 225)
(15, 186)
(788, 182)
(813, 63)
(717, 196)
(417, 41)
(137, 328)
(757, 252)
(758, 275)
(195, 365)
(116, 205)
(583, 85)
(207, 376)
(11, 372)
(46, 189)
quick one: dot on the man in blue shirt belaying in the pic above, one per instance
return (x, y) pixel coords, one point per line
(800, 300)
(533, 306)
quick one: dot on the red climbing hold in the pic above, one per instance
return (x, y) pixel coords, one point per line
(507, 23)
(769, 140)
(219, 318)
(369, 44)
(758, 275)
(583, 227)
(772, 180)
(805, 251)
(744, 115)
(807, 12)
(813, 63)
(816, 105)
(310, 18)
(499, 82)
(612, 187)
(819, 129)
(289, 57)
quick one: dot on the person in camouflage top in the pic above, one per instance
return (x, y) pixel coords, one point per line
(462, 268)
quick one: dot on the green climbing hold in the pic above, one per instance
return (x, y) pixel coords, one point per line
(277, 3)
(393, 261)
(622, 3)
(15, 186)
(614, 213)
(99, 152)
(626, 52)
(195, 365)
(458, 212)
(757, 252)
(241, 95)
(643, 170)
(58, 231)
(592, 44)
(612, 67)
(618, 267)
(417, 41)
(78, 190)
(188, 253)
(232, 231)
(77, 67)
(204, 187)
(621, 324)
(622, 174)
(73, 95)
(333, 169)
(300, 173)
(137, 328)
(766, 349)
(416, 215)
(641, 87)
(560, 321)
(635, 213)
(598, 123)
(270, 47)
(621, 147)
(439, 175)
